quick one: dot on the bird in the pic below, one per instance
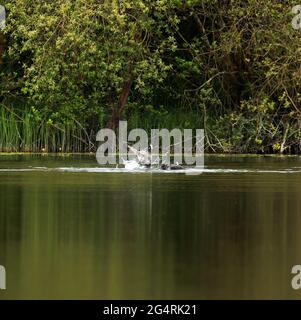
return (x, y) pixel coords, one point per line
(131, 165)
(144, 157)
(176, 166)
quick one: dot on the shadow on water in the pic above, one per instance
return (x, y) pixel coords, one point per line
(221, 234)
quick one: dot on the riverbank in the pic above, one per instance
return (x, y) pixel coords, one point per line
(28, 131)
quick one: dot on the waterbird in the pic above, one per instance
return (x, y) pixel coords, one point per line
(131, 164)
(144, 157)
(176, 166)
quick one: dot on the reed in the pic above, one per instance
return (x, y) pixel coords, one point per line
(20, 131)
(23, 133)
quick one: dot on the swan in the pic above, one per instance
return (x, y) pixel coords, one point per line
(144, 157)
(131, 164)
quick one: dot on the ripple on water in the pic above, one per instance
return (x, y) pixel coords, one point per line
(188, 171)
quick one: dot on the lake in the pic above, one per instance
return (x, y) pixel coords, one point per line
(71, 231)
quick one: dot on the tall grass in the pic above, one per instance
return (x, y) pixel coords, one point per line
(22, 133)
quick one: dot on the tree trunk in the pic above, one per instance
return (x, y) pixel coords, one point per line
(117, 112)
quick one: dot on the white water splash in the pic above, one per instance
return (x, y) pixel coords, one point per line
(134, 167)
(131, 165)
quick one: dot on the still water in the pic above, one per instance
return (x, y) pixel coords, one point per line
(69, 230)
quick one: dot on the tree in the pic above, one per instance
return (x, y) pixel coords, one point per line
(81, 58)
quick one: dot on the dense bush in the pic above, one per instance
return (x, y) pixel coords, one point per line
(231, 67)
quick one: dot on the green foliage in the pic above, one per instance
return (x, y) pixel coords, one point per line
(28, 132)
(76, 55)
(230, 67)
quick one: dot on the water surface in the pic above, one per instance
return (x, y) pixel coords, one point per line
(71, 230)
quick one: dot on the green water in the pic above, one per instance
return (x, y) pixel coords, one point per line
(231, 232)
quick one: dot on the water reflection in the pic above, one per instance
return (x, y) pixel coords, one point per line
(115, 236)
